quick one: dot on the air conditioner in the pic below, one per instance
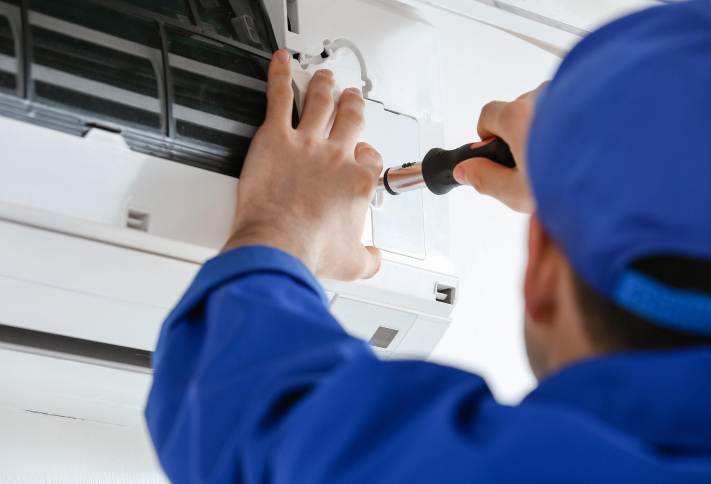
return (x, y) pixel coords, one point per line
(123, 127)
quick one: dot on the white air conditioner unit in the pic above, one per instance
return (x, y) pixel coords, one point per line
(123, 128)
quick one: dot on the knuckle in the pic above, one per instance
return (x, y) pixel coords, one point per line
(353, 102)
(321, 82)
(365, 149)
(278, 74)
(362, 147)
(352, 117)
(365, 182)
(488, 109)
(377, 160)
(311, 143)
(322, 100)
(516, 109)
(488, 116)
(355, 98)
(508, 112)
(367, 153)
(280, 92)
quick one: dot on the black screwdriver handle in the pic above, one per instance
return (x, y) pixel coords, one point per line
(438, 164)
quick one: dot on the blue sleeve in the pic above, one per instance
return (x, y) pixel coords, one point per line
(256, 382)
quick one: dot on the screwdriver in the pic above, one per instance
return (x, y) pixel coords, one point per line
(435, 171)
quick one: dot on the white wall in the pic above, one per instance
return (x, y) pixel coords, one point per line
(39, 448)
(584, 14)
(482, 64)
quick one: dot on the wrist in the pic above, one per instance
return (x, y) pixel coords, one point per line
(273, 235)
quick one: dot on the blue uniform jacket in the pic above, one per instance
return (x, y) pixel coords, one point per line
(255, 382)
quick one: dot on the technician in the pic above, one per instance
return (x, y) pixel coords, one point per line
(255, 382)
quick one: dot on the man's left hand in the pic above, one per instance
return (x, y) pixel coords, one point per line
(306, 194)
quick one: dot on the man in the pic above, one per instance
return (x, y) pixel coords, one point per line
(255, 382)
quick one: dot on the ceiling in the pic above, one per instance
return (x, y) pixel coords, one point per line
(582, 14)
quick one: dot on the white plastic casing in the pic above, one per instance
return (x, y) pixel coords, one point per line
(98, 242)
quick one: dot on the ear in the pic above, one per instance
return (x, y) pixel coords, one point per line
(542, 275)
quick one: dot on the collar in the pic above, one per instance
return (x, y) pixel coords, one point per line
(662, 397)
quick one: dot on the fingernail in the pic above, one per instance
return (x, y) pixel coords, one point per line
(460, 175)
(282, 55)
(328, 72)
(355, 90)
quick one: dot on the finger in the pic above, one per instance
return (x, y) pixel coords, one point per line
(372, 260)
(359, 262)
(318, 105)
(532, 95)
(486, 176)
(280, 95)
(350, 118)
(507, 185)
(540, 88)
(367, 156)
(508, 121)
(488, 125)
(364, 263)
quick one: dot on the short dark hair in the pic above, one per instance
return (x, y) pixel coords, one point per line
(612, 328)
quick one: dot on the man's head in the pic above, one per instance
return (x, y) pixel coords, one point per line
(567, 320)
(619, 158)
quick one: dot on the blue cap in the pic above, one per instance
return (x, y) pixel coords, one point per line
(620, 158)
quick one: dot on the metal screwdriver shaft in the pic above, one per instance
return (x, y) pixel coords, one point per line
(435, 171)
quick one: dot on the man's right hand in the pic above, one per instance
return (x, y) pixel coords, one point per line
(511, 122)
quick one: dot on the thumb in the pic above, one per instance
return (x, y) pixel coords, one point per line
(358, 263)
(372, 260)
(486, 176)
